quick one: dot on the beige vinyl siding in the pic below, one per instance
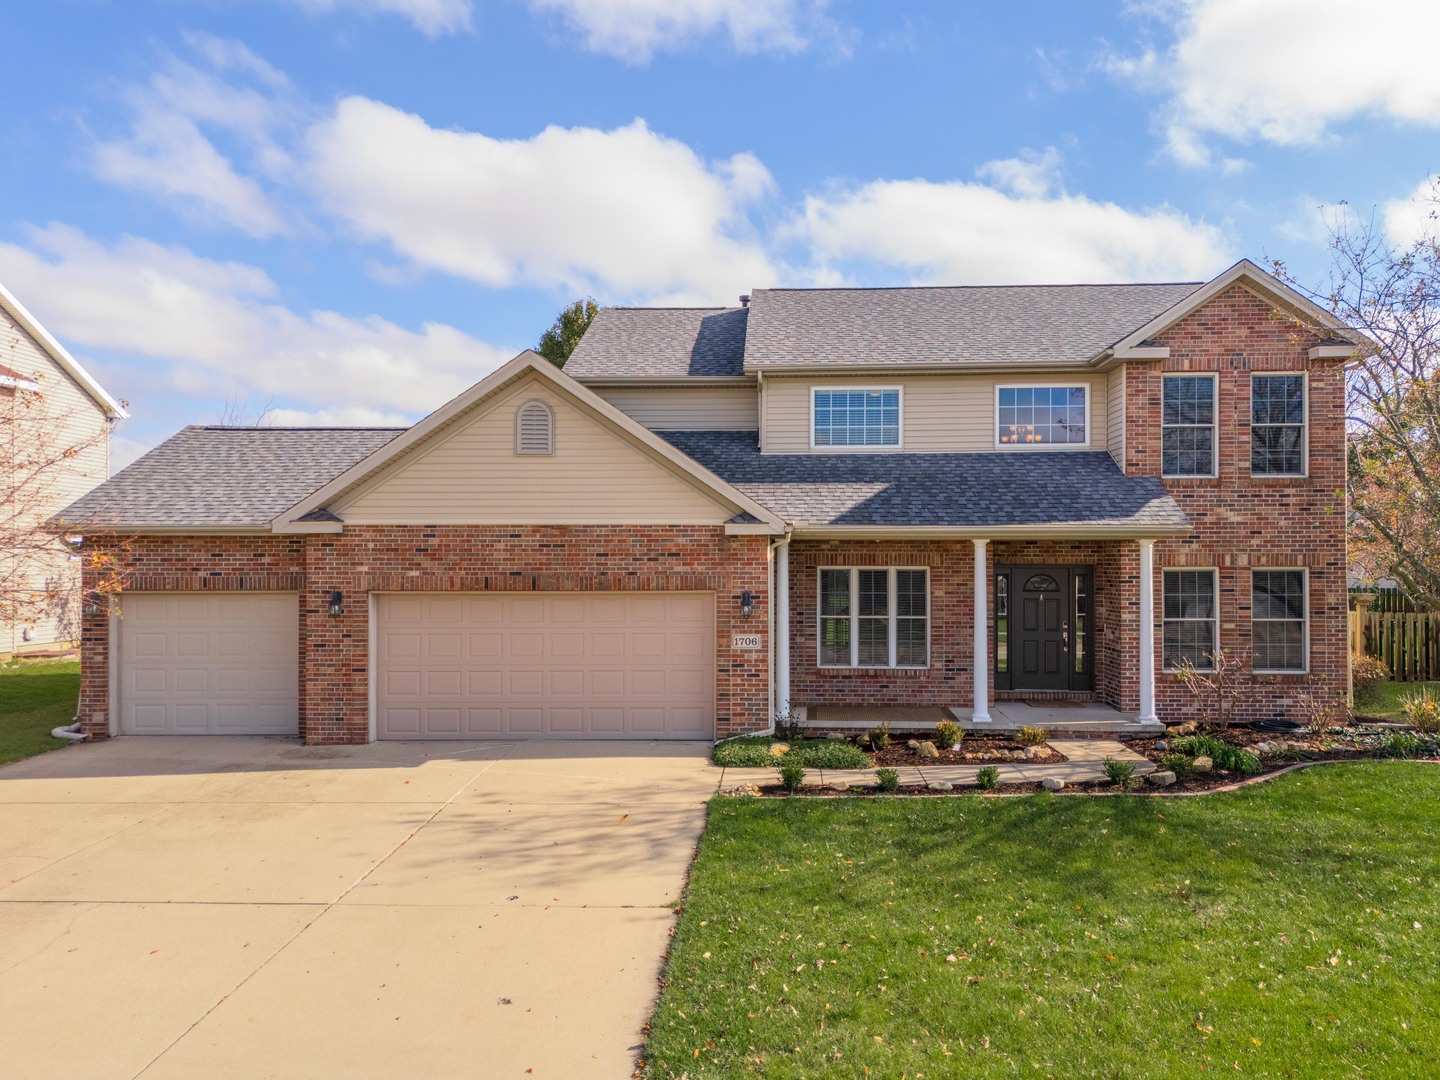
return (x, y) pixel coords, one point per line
(74, 420)
(595, 477)
(680, 408)
(939, 413)
(1116, 441)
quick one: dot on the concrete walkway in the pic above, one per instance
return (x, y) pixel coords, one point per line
(216, 907)
(1085, 761)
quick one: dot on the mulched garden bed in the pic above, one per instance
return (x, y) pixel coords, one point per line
(973, 750)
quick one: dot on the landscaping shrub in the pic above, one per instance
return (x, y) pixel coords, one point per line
(879, 737)
(749, 752)
(947, 734)
(1369, 674)
(1032, 736)
(988, 778)
(1179, 764)
(887, 779)
(1421, 710)
(829, 754)
(1407, 744)
(792, 773)
(1225, 756)
(1119, 772)
(787, 726)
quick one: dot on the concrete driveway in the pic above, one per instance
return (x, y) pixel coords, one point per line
(216, 907)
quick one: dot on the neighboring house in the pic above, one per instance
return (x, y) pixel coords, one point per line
(50, 406)
(1121, 474)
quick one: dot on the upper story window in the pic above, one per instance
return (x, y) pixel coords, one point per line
(1277, 425)
(1043, 415)
(535, 429)
(1187, 426)
(855, 417)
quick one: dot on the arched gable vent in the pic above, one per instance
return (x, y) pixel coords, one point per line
(535, 429)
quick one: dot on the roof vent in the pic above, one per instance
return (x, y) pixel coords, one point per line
(745, 299)
(535, 429)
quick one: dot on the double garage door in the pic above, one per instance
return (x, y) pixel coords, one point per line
(538, 665)
(448, 666)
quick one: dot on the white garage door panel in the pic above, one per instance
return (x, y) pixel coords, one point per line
(209, 664)
(546, 665)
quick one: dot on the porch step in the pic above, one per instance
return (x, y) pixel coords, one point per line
(1084, 721)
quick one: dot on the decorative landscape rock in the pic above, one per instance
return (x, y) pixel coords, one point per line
(1162, 778)
(1017, 755)
(1202, 764)
(1161, 744)
(1189, 727)
(940, 785)
(779, 749)
(1053, 783)
(925, 749)
(840, 785)
(1031, 753)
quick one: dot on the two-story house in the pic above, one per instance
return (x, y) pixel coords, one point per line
(55, 420)
(940, 497)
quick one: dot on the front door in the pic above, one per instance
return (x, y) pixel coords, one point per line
(1048, 609)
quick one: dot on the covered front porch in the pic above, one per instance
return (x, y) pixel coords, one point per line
(994, 632)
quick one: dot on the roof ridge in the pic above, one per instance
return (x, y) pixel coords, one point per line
(288, 427)
(956, 288)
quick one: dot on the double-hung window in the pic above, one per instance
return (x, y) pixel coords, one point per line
(1187, 425)
(874, 617)
(1042, 415)
(1277, 425)
(1189, 619)
(855, 417)
(1278, 620)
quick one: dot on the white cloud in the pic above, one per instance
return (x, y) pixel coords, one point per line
(217, 325)
(430, 17)
(167, 150)
(1026, 231)
(634, 30)
(1415, 217)
(1286, 71)
(625, 212)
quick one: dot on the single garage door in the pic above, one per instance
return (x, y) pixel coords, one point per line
(546, 665)
(209, 664)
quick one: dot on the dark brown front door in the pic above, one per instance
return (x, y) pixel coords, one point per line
(1042, 630)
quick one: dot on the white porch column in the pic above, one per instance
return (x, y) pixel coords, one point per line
(782, 628)
(1147, 631)
(981, 712)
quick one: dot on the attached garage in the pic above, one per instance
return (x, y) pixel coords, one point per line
(582, 665)
(208, 664)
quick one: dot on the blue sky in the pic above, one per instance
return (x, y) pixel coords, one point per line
(349, 210)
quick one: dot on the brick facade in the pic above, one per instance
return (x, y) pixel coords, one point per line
(1240, 522)
(334, 652)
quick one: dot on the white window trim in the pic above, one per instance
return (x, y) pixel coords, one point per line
(870, 449)
(1214, 472)
(1304, 429)
(891, 619)
(1305, 633)
(1214, 572)
(1052, 384)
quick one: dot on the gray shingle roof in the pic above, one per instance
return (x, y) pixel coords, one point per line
(968, 324)
(1045, 488)
(222, 476)
(661, 342)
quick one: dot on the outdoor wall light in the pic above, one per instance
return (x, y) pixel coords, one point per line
(337, 606)
(747, 604)
(92, 603)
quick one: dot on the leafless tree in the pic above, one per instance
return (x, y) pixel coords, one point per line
(1390, 292)
(41, 445)
(1219, 692)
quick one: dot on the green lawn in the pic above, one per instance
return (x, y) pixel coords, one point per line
(1288, 929)
(1384, 700)
(35, 696)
